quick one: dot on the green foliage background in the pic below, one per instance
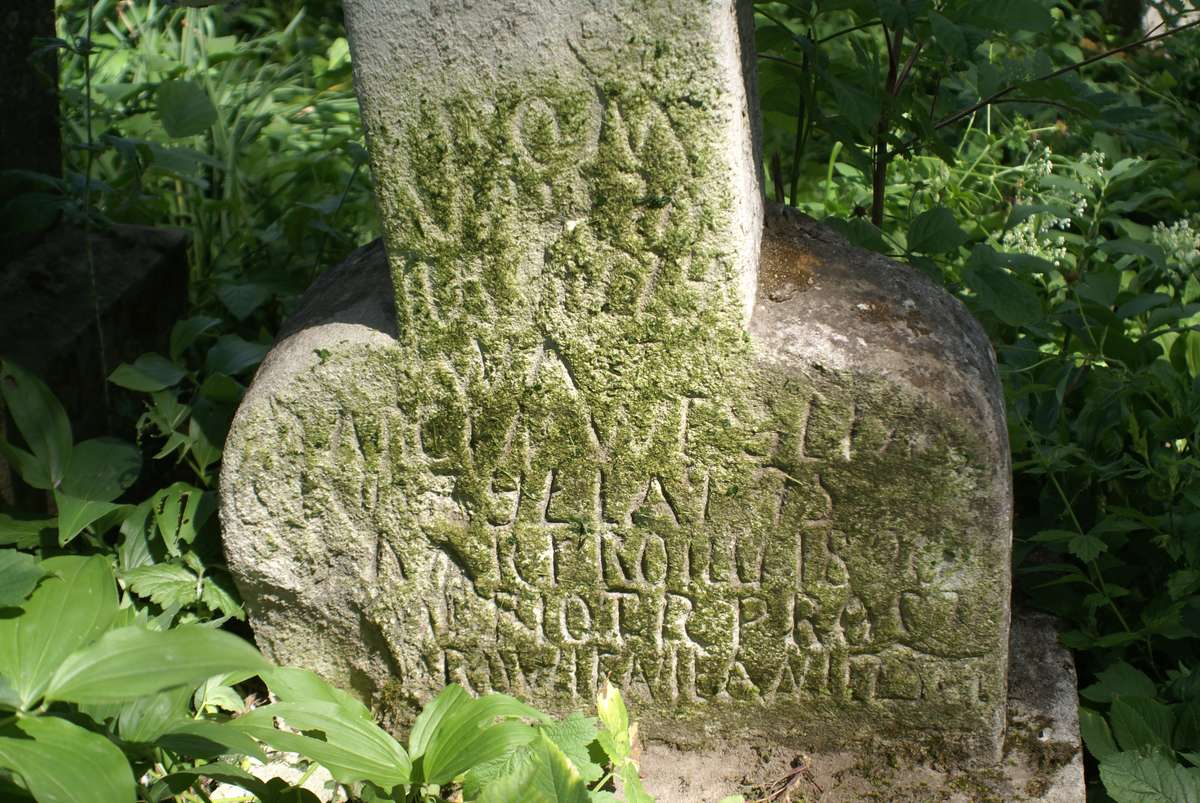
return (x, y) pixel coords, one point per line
(1016, 150)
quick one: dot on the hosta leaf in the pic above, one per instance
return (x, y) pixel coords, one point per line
(42, 422)
(24, 532)
(293, 685)
(19, 575)
(60, 762)
(146, 718)
(456, 731)
(202, 738)
(352, 750)
(69, 609)
(130, 662)
(182, 778)
(166, 584)
(101, 469)
(1152, 778)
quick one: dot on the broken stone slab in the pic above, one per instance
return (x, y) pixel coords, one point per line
(822, 561)
(1042, 760)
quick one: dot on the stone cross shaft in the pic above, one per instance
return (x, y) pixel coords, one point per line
(616, 424)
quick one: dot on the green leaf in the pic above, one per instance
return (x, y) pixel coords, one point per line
(352, 749)
(43, 424)
(232, 355)
(219, 598)
(1095, 732)
(1012, 301)
(166, 584)
(202, 738)
(19, 575)
(60, 762)
(935, 231)
(1086, 547)
(610, 707)
(182, 778)
(130, 662)
(1153, 778)
(293, 685)
(1119, 680)
(573, 735)
(185, 332)
(102, 469)
(1139, 722)
(24, 532)
(74, 515)
(149, 372)
(180, 510)
(548, 778)
(185, 108)
(456, 732)
(948, 35)
(631, 785)
(146, 718)
(68, 610)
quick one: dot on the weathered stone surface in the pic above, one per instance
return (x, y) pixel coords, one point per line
(1043, 756)
(571, 458)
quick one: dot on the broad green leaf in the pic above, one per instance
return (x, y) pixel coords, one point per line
(19, 575)
(8, 695)
(1119, 680)
(462, 731)
(948, 35)
(1096, 735)
(548, 778)
(185, 108)
(1187, 726)
(185, 332)
(145, 719)
(183, 778)
(1141, 722)
(202, 738)
(1149, 778)
(1012, 300)
(293, 685)
(130, 662)
(935, 231)
(42, 422)
(24, 532)
(166, 584)
(60, 762)
(68, 610)
(75, 515)
(102, 469)
(232, 355)
(352, 750)
(149, 372)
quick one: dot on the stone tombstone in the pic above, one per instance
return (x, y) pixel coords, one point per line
(616, 423)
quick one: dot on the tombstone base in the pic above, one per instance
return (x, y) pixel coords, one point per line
(1043, 760)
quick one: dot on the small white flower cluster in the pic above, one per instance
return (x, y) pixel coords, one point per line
(1031, 236)
(1042, 165)
(1180, 242)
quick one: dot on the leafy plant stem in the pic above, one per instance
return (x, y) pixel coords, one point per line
(89, 255)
